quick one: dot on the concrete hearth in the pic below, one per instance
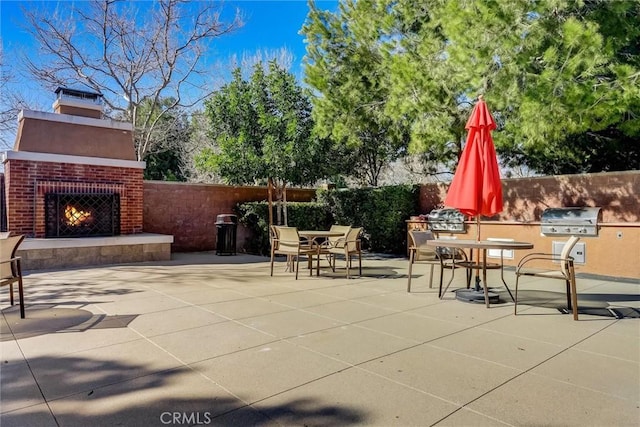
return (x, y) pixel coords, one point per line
(49, 254)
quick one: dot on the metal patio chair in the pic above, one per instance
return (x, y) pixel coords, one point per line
(286, 241)
(10, 269)
(350, 248)
(419, 251)
(564, 271)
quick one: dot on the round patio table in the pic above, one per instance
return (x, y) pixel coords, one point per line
(483, 245)
(313, 236)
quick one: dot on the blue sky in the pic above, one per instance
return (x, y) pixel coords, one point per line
(269, 25)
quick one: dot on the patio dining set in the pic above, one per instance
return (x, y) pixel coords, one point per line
(338, 240)
(446, 252)
(342, 241)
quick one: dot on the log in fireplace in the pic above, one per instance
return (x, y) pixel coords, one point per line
(82, 214)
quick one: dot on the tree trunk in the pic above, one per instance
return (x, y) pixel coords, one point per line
(284, 203)
(278, 203)
(270, 200)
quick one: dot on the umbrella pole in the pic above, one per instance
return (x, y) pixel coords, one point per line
(477, 288)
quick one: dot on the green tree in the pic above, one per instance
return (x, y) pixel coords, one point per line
(554, 73)
(261, 132)
(580, 107)
(346, 68)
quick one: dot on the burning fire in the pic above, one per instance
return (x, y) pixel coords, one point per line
(74, 216)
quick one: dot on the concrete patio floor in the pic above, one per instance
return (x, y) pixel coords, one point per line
(211, 340)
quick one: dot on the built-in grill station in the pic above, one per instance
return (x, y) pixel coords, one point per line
(572, 221)
(446, 220)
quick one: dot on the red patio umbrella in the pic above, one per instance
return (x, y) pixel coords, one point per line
(476, 189)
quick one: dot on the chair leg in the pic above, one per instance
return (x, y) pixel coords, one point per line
(21, 294)
(515, 299)
(11, 292)
(273, 255)
(410, 269)
(574, 296)
(453, 272)
(347, 259)
(469, 271)
(360, 263)
(431, 277)
(441, 279)
(297, 265)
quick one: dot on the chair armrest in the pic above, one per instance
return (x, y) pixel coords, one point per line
(357, 241)
(327, 244)
(291, 242)
(540, 257)
(10, 260)
(305, 241)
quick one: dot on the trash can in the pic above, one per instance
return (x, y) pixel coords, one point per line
(226, 225)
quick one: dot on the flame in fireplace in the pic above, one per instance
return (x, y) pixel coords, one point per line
(74, 216)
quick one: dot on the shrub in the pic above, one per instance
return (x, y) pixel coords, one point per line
(303, 215)
(381, 211)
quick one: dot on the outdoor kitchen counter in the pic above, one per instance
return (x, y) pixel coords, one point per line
(483, 246)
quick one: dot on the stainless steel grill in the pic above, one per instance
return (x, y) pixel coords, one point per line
(578, 221)
(449, 220)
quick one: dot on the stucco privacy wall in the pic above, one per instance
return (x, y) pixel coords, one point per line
(189, 211)
(615, 252)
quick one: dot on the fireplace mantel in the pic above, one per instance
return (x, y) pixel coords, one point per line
(73, 160)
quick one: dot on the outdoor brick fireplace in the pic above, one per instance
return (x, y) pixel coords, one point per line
(73, 174)
(29, 181)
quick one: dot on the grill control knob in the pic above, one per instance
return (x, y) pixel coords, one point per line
(582, 230)
(553, 229)
(567, 229)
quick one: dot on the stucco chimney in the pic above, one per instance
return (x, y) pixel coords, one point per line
(78, 103)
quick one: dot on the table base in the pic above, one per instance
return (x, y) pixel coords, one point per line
(471, 295)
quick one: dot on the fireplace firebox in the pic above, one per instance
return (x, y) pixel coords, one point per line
(82, 215)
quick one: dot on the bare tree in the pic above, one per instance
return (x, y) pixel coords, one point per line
(7, 112)
(11, 102)
(135, 57)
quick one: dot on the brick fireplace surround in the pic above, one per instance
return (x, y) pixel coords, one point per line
(29, 180)
(76, 154)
